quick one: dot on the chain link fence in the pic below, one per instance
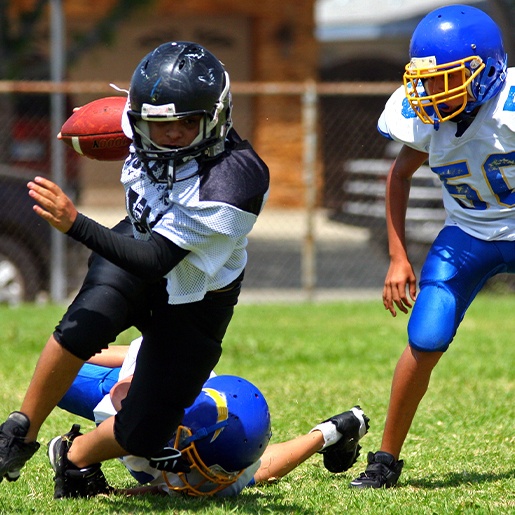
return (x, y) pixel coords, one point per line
(332, 245)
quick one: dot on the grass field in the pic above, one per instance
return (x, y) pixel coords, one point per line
(312, 361)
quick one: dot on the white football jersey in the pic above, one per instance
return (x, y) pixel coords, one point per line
(476, 169)
(208, 214)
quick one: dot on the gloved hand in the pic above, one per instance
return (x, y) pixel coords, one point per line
(170, 460)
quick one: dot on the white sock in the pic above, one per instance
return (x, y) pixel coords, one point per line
(358, 413)
(329, 432)
(332, 435)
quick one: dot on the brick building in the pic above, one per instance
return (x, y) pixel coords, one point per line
(257, 41)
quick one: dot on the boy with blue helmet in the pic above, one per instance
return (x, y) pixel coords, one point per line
(222, 443)
(456, 109)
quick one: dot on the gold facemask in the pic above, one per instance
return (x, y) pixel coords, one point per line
(429, 107)
(202, 480)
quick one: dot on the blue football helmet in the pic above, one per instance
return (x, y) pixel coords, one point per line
(177, 80)
(223, 432)
(454, 39)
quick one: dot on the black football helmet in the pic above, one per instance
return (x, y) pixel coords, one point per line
(176, 80)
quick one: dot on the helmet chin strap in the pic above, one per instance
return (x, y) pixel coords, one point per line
(170, 176)
(206, 431)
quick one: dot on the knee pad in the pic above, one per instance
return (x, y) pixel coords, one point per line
(109, 301)
(433, 322)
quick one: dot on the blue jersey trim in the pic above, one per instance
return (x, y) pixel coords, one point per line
(384, 134)
(509, 105)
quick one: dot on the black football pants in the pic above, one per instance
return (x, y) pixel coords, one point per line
(181, 345)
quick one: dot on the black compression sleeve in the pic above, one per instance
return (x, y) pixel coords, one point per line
(149, 260)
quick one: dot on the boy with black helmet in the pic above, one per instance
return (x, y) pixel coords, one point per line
(173, 268)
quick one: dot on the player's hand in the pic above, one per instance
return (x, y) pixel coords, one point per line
(54, 206)
(399, 283)
(170, 460)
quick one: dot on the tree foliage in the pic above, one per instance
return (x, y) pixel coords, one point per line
(21, 55)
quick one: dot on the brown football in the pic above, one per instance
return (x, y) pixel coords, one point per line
(95, 130)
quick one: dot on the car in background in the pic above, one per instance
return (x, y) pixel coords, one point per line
(25, 243)
(25, 238)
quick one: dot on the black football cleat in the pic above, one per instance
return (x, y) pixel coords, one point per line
(382, 471)
(14, 451)
(70, 480)
(352, 425)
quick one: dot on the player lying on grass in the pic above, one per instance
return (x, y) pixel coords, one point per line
(223, 438)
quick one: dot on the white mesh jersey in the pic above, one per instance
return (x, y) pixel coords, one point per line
(140, 467)
(477, 169)
(209, 214)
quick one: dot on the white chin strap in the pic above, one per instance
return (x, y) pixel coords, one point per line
(219, 107)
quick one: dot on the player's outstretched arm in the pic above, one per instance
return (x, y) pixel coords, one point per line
(281, 458)
(111, 357)
(150, 260)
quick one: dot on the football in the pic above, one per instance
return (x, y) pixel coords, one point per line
(95, 130)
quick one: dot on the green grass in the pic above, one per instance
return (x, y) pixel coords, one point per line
(313, 361)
